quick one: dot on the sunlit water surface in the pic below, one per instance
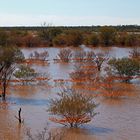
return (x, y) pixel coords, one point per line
(117, 119)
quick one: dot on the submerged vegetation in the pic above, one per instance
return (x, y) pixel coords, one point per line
(91, 70)
(45, 134)
(74, 108)
(94, 76)
(10, 57)
(125, 68)
(25, 74)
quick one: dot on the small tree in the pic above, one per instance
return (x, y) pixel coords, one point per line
(82, 73)
(135, 53)
(65, 55)
(73, 38)
(111, 89)
(39, 55)
(25, 74)
(107, 35)
(9, 57)
(90, 56)
(48, 33)
(73, 107)
(60, 40)
(80, 56)
(125, 68)
(93, 39)
(99, 59)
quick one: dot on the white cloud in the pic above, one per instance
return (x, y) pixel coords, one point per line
(29, 20)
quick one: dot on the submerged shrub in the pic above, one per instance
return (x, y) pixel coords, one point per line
(126, 68)
(25, 74)
(39, 55)
(65, 55)
(45, 134)
(9, 58)
(74, 108)
(135, 53)
(80, 56)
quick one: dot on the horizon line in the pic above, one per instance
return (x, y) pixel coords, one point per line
(10, 26)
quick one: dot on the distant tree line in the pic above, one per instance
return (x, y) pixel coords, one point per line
(126, 28)
(125, 35)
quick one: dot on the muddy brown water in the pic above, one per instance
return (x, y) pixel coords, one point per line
(117, 119)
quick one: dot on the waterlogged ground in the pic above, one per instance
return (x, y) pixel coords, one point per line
(117, 119)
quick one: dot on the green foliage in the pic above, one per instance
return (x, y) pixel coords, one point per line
(135, 53)
(131, 40)
(4, 38)
(121, 38)
(125, 67)
(74, 38)
(9, 57)
(60, 40)
(107, 35)
(93, 39)
(69, 38)
(49, 33)
(25, 72)
(75, 108)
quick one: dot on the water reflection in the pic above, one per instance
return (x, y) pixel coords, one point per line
(9, 128)
(89, 130)
(87, 133)
(26, 101)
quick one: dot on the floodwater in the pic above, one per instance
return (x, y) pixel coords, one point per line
(118, 119)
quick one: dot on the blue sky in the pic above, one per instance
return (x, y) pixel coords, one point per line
(69, 12)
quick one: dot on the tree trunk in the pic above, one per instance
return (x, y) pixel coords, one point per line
(4, 91)
(19, 116)
(71, 124)
(99, 67)
(3, 97)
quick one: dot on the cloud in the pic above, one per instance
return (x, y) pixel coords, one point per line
(32, 20)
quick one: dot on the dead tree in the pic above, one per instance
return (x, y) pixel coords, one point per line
(19, 116)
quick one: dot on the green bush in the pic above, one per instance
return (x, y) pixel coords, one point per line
(93, 39)
(74, 108)
(107, 35)
(125, 67)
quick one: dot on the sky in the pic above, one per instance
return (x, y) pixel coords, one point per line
(69, 12)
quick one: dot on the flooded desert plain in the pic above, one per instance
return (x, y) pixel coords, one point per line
(118, 119)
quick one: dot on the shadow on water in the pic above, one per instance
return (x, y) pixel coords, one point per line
(93, 130)
(25, 101)
(88, 130)
(99, 130)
